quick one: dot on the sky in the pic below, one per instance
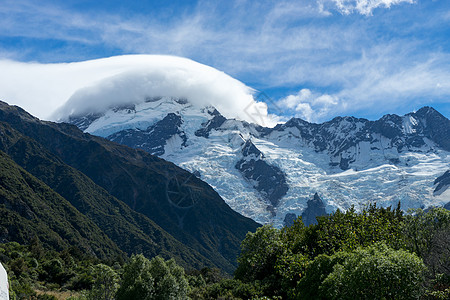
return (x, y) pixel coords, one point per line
(313, 59)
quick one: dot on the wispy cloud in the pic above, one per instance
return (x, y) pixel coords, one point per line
(385, 79)
(365, 7)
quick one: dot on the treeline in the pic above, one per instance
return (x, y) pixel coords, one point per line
(378, 253)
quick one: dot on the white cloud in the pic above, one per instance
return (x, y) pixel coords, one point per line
(365, 7)
(305, 111)
(94, 86)
(310, 106)
(326, 100)
(292, 101)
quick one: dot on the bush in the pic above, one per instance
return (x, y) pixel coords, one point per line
(316, 273)
(376, 272)
(106, 283)
(137, 282)
(259, 253)
(428, 235)
(155, 279)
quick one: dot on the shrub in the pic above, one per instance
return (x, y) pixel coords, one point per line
(376, 272)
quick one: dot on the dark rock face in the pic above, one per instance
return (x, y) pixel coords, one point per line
(85, 121)
(267, 179)
(316, 208)
(341, 137)
(434, 126)
(289, 219)
(447, 206)
(128, 108)
(154, 138)
(389, 126)
(213, 123)
(442, 183)
(250, 150)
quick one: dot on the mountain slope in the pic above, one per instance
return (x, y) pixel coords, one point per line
(180, 203)
(130, 231)
(267, 173)
(30, 209)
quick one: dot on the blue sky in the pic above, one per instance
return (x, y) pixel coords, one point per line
(314, 59)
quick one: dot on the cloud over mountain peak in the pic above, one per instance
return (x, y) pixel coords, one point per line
(97, 85)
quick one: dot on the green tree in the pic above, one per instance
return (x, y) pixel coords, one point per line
(315, 274)
(351, 229)
(260, 252)
(428, 235)
(169, 279)
(376, 272)
(53, 270)
(155, 279)
(106, 283)
(137, 282)
(229, 289)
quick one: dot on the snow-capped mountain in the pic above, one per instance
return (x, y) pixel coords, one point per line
(275, 174)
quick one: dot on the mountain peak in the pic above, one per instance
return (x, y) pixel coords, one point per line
(16, 111)
(435, 126)
(428, 110)
(427, 113)
(149, 78)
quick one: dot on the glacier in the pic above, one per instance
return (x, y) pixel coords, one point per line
(347, 161)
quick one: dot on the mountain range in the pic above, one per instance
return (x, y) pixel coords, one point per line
(296, 168)
(187, 181)
(72, 189)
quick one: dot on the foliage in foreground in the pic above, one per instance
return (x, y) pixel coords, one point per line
(152, 279)
(376, 272)
(377, 253)
(405, 253)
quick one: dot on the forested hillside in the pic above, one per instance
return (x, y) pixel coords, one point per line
(126, 230)
(143, 204)
(29, 209)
